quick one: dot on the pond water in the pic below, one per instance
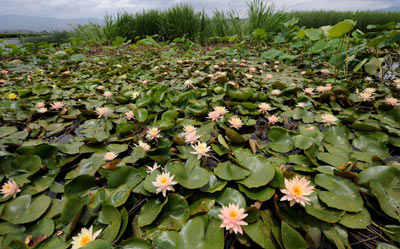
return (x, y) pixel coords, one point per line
(10, 41)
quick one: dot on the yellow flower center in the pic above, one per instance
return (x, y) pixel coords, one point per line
(85, 239)
(163, 180)
(8, 187)
(297, 190)
(233, 214)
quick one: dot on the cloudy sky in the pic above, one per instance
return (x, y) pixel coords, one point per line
(97, 8)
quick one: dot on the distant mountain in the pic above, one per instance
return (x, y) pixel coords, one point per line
(37, 24)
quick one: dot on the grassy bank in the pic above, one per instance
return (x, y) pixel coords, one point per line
(315, 19)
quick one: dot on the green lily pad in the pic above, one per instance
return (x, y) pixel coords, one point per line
(81, 184)
(110, 216)
(202, 205)
(280, 140)
(261, 170)
(126, 175)
(342, 193)
(291, 238)
(263, 193)
(119, 195)
(149, 211)
(230, 171)
(135, 244)
(174, 214)
(360, 220)
(320, 211)
(189, 175)
(141, 114)
(389, 198)
(24, 209)
(230, 195)
(260, 233)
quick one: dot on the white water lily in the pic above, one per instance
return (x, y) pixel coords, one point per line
(201, 149)
(164, 183)
(84, 237)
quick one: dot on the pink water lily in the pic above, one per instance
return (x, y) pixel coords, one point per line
(296, 191)
(273, 119)
(232, 218)
(214, 115)
(57, 105)
(10, 188)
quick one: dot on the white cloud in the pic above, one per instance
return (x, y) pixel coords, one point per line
(97, 8)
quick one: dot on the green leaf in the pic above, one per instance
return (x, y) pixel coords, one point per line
(341, 28)
(150, 210)
(214, 184)
(124, 127)
(291, 238)
(25, 166)
(189, 175)
(214, 235)
(54, 242)
(261, 170)
(372, 66)
(135, 244)
(263, 193)
(141, 114)
(202, 205)
(342, 193)
(231, 195)
(174, 214)
(81, 184)
(137, 153)
(260, 233)
(87, 167)
(7, 130)
(119, 196)
(144, 101)
(360, 220)
(371, 147)
(110, 216)
(192, 233)
(166, 240)
(381, 245)
(388, 176)
(24, 209)
(317, 209)
(72, 209)
(280, 140)
(126, 175)
(233, 136)
(389, 198)
(78, 57)
(230, 171)
(16, 244)
(338, 235)
(44, 227)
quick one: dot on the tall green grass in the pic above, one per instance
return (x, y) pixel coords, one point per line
(314, 19)
(181, 20)
(264, 16)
